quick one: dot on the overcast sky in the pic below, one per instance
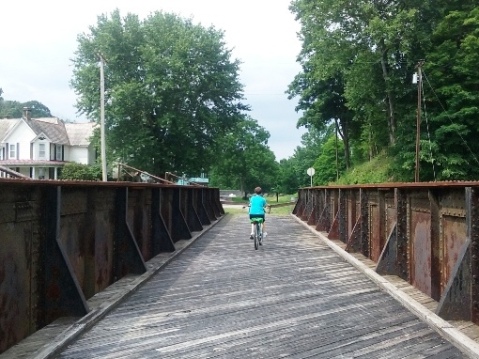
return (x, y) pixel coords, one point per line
(39, 41)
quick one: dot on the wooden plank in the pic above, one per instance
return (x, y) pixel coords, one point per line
(293, 297)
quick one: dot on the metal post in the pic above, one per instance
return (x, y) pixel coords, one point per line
(102, 120)
(418, 121)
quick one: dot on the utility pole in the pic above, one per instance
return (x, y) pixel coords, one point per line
(418, 119)
(336, 146)
(102, 120)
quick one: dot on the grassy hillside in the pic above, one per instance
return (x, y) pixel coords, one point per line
(376, 171)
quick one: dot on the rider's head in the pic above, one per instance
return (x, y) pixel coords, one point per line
(257, 190)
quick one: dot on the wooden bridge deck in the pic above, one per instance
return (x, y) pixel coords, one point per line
(295, 297)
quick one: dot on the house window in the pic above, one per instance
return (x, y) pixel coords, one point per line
(41, 150)
(12, 152)
(58, 152)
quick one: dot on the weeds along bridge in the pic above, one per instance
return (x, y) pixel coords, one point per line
(134, 270)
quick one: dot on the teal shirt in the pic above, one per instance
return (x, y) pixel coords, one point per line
(257, 204)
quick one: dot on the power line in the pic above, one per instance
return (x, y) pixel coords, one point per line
(450, 119)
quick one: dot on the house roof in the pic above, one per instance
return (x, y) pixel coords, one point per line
(58, 132)
(80, 133)
(53, 128)
(6, 126)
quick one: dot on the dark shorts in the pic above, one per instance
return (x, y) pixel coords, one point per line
(251, 216)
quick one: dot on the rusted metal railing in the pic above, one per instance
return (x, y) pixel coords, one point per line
(63, 242)
(425, 233)
(136, 175)
(7, 172)
(182, 179)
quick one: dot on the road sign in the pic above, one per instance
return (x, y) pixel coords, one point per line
(310, 171)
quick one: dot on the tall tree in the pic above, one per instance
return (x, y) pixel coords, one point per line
(288, 180)
(172, 90)
(293, 171)
(323, 102)
(371, 46)
(330, 163)
(245, 161)
(452, 94)
(14, 109)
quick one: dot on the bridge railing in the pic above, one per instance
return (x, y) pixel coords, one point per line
(425, 233)
(63, 242)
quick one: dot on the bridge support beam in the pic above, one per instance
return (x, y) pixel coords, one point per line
(192, 217)
(63, 242)
(127, 256)
(359, 238)
(161, 239)
(62, 293)
(460, 300)
(180, 229)
(426, 234)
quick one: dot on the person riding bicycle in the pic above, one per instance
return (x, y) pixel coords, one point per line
(257, 206)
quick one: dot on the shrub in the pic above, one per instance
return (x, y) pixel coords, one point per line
(78, 171)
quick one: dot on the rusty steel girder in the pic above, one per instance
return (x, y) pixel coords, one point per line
(425, 233)
(61, 242)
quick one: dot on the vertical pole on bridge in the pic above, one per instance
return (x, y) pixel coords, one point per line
(418, 121)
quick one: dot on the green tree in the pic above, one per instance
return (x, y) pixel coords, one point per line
(321, 103)
(245, 160)
(452, 96)
(369, 48)
(292, 171)
(288, 179)
(330, 163)
(38, 109)
(14, 109)
(172, 90)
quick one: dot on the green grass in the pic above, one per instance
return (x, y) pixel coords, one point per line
(238, 200)
(281, 211)
(271, 199)
(375, 171)
(275, 211)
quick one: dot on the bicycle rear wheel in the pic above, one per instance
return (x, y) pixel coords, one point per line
(260, 234)
(256, 236)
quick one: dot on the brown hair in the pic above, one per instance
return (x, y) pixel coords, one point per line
(257, 190)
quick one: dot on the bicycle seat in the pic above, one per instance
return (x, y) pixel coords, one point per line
(259, 220)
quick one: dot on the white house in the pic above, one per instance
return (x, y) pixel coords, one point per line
(39, 147)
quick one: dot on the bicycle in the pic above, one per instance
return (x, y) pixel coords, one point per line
(258, 232)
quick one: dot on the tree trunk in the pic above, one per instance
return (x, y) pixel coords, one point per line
(345, 137)
(390, 109)
(243, 189)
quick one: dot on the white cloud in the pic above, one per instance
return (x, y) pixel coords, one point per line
(39, 39)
